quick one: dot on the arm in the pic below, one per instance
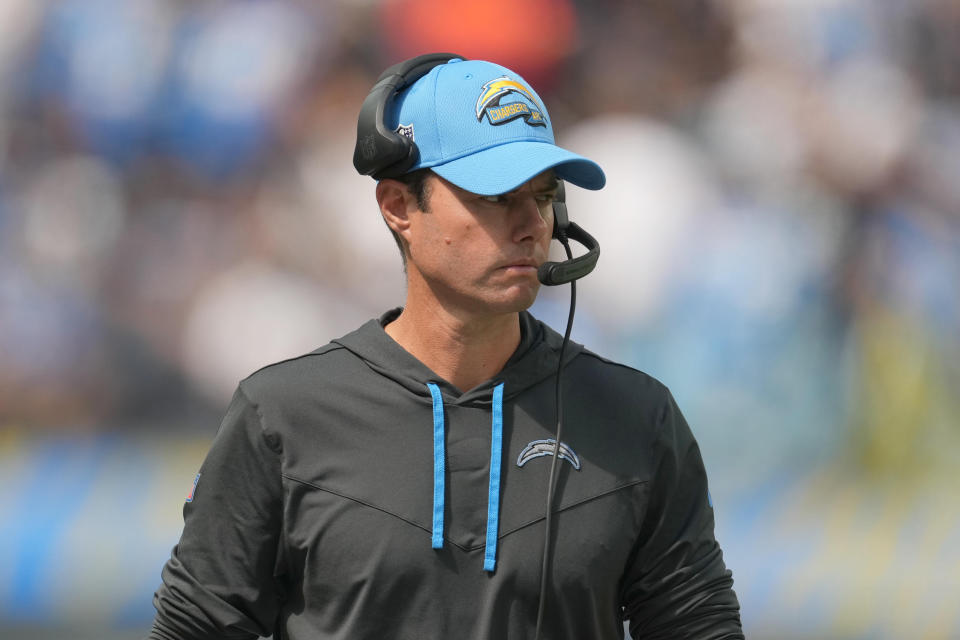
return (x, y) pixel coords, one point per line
(677, 585)
(221, 579)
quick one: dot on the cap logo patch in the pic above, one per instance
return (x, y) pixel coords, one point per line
(406, 130)
(489, 103)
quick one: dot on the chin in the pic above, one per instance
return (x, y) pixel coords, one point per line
(516, 300)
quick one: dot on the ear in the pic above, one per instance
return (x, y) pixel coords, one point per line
(396, 204)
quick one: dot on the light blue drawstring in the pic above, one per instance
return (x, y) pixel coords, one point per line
(439, 473)
(438, 466)
(493, 495)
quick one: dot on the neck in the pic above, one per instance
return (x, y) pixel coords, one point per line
(463, 349)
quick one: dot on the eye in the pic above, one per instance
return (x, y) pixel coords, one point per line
(497, 199)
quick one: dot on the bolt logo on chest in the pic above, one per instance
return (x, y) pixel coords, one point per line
(539, 448)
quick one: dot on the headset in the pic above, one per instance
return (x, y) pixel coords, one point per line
(571, 269)
(383, 153)
(380, 152)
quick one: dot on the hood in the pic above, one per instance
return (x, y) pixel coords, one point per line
(535, 359)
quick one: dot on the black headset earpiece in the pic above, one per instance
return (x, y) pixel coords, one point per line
(561, 222)
(554, 273)
(381, 152)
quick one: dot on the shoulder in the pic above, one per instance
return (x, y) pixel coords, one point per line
(293, 376)
(620, 371)
(599, 379)
(616, 389)
(585, 361)
(618, 375)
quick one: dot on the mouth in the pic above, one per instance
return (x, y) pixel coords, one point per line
(520, 266)
(521, 262)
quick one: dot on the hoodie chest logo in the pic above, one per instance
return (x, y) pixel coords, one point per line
(539, 448)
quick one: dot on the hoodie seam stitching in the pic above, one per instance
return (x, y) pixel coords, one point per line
(321, 351)
(578, 503)
(378, 508)
(619, 365)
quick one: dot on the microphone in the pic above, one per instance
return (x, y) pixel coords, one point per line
(554, 273)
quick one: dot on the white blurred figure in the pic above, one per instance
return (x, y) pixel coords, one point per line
(74, 215)
(862, 123)
(349, 228)
(657, 188)
(18, 22)
(252, 315)
(751, 125)
(71, 214)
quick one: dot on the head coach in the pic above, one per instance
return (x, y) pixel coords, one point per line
(454, 468)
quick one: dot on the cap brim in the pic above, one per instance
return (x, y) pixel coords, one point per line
(505, 167)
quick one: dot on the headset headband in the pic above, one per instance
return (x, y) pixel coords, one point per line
(380, 152)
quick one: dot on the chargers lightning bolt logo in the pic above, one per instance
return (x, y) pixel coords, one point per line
(539, 448)
(488, 104)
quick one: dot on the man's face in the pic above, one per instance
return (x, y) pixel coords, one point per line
(481, 253)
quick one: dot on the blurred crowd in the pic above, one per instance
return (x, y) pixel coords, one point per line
(780, 229)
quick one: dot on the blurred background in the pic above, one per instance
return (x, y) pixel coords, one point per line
(781, 246)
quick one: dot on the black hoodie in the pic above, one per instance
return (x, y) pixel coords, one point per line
(315, 510)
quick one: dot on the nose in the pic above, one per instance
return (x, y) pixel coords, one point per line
(532, 217)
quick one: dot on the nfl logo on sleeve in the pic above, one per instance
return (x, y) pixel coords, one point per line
(193, 489)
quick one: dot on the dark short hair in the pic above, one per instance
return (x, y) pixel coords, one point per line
(416, 182)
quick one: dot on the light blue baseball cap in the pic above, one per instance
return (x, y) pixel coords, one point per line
(483, 128)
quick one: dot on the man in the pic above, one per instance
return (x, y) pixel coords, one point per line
(391, 484)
